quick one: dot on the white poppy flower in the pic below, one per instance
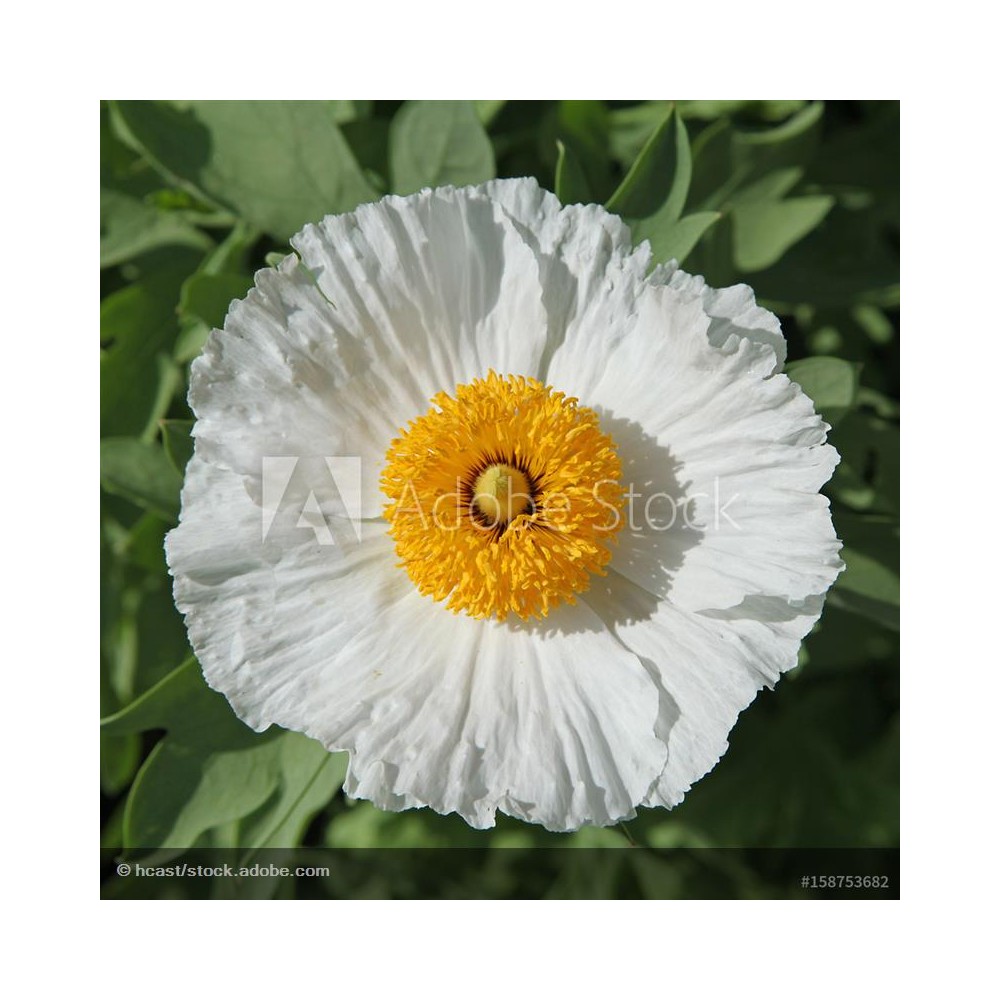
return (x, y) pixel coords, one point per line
(479, 499)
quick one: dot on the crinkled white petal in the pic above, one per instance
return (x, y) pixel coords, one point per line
(391, 304)
(733, 315)
(554, 723)
(707, 667)
(587, 264)
(724, 459)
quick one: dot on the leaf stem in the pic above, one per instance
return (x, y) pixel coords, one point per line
(628, 835)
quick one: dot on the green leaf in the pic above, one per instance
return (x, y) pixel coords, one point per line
(582, 126)
(869, 586)
(163, 705)
(571, 182)
(630, 128)
(208, 293)
(142, 546)
(231, 255)
(350, 111)
(182, 791)
(657, 183)
(122, 169)
(438, 142)
(207, 297)
(847, 333)
(728, 160)
(277, 164)
(832, 384)
(120, 757)
(791, 144)
(162, 637)
(849, 260)
(867, 477)
(141, 473)
(790, 777)
(130, 227)
(883, 407)
(210, 770)
(138, 328)
(309, 776)
(180, 794)
(142, 634)
(194, 778)
(486, 111)
(674, 241)
(875, 324)
(768, 111)
(362, 825)
(369, 142)
(711, 154)
(771, 187)
(843, 641)
(177, 442)
(763, 231)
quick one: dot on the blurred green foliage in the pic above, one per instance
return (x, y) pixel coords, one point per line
(799, 199)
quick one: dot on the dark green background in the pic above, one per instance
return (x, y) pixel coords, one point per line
(799, 199)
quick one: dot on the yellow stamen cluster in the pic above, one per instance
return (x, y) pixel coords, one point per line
(503, 498)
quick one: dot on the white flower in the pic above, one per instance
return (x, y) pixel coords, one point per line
(563, 656)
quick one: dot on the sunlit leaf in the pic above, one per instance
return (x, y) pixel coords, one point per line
(674, 240)
(141, 473)
(847, 261)
(830, 383)
(729, 159)
(630, 128)
(129, 228)
(276, 164)
(488, 110)
(438, 142)
(350, 111)
(656, 184)
(309, 775)
(184, 790)
(210, 770)
(764, 230)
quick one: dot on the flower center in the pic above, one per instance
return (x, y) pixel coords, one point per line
(501, 492)
(504, 498)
